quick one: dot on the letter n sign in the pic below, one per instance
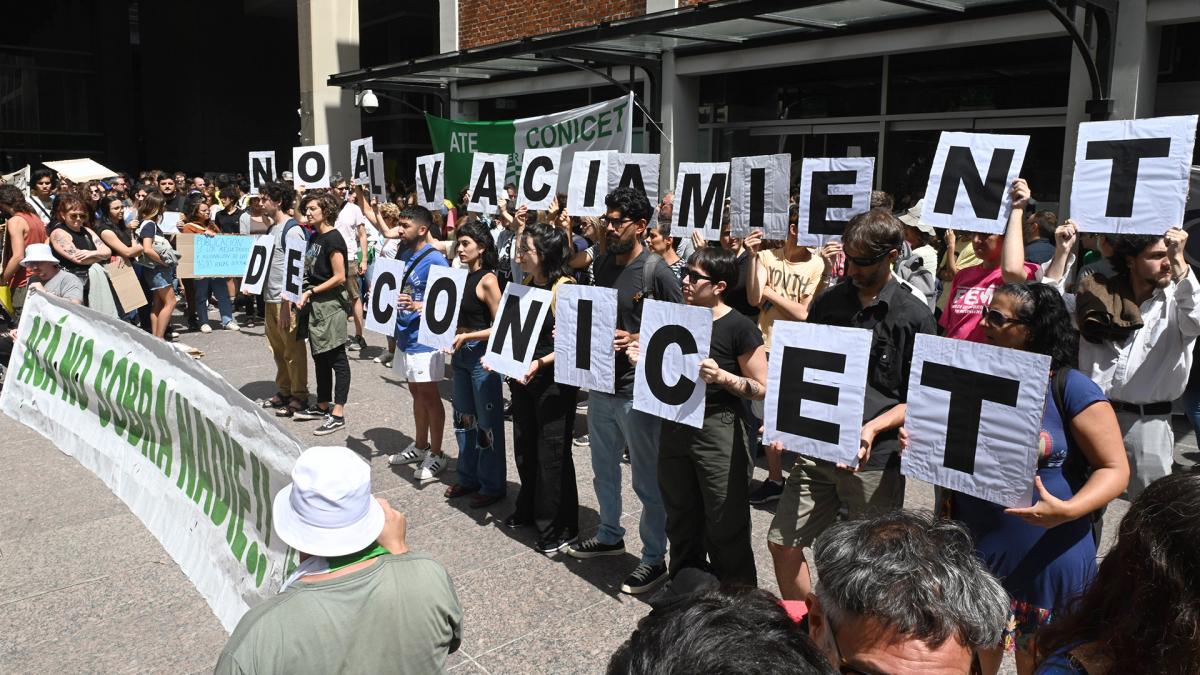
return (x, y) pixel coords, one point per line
(974, 418)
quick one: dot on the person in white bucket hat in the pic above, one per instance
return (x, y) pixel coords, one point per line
(46, 276)
(360, 601)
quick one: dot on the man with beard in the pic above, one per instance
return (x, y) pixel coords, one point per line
(172, 200)
(817, 490)
(613, 424)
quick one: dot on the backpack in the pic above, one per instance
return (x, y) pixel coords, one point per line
(1076, 468)
(910, 268)
(287, 227)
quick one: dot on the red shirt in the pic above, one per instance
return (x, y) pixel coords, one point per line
(970, 292)
(35, 233)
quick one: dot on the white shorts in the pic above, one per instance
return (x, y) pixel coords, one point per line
(421, 367)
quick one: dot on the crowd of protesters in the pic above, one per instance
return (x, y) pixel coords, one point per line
(943, 593)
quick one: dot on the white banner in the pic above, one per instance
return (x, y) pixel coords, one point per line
(816, 389)
(487, 181)
(699, 199)
(589, 182)
(832, 191)
(20, 178)
(443, 300)
(189, 455)
(637, 170)
(360, 158)
(607, 125)
(674, 340)
(974, 417)
(293, 268)
(1131, 176)
(758, 195)
(380, 314)
(539, 177)
(585, 320)
(259, 265)
(262, 169)
(515, 330)
(310, 166)
(431, 180)
(970, 179)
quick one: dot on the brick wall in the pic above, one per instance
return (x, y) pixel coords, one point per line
(483, 22)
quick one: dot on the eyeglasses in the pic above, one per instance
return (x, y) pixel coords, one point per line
(867, 262)
(77, 216)
(995, 318)
(696, 276)
(615, 222)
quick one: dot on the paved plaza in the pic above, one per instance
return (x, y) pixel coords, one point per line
(85, 588)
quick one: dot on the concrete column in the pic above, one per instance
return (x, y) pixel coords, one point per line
(680, 120)
(448, 25)
(328, 41)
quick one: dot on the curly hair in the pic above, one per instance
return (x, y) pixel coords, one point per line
(482, 236)
(1128, 245)
(67, 202)
(279, 192)
(631, 203)
(1051, 332)
(325, 202)
(389, 211)
(14, 200)
(1143, 607)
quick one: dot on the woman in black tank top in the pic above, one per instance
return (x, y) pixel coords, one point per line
(543, 410)
(75, 244)
(478, 393)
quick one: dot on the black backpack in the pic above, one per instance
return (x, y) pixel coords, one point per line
(1076, 468)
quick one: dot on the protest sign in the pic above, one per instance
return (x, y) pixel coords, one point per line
(758, 192)
(192, 458)
(170, 222)
(443, 298)
(293, 268)
(970, 179)
(699, 199)
(832, 191)
(666, 381)
(80, 170)
(125, 284)
(816, 389)
(431, 180)
(385, 287)
(585, 321)
(589, 182)
(1131, 176)
(19, 178)
(258, 265)
(223, 255)
(637, 170)
(377, 177)
(310, 166)
(262, 169)
(974, 416)
(539, 177)
(360, 158)
(515, 330)
(487, 182)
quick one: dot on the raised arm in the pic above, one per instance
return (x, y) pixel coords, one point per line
(1012, 257)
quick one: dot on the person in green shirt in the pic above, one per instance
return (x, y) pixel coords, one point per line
(360, 601)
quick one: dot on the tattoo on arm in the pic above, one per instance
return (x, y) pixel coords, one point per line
(63, 243)
(744, 387)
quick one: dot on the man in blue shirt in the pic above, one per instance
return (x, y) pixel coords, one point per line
(422, 366)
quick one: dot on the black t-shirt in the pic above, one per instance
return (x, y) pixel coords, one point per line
(319, 257)
(735, 297)
(545, 339)
(81, 240)
(229, 223)
(894, 320)
(629, 284)
(124, 234)
(474, 314)
(732, 336)
(176, 203)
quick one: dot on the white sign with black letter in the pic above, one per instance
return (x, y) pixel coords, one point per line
(637, 170)
(699, 199)
(385, 286)
(816, 388)
(360, 158)
(377, 177)
(970, 179)
(585, 322)
(516, 328)
(259, 264)
(310, 166)
(674, 340)
(293, 268)
(262, 169)
(758, 195)
(431, 180)
(539, 175)
(1131, 176)
(487, 180)
(974, 418)
(832, 191)
(589, 182)
(443, 298)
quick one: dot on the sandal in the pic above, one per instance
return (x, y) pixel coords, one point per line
(459, 490)
(275, 402)
(294, 405)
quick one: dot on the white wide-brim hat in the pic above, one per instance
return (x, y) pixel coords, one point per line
(35, 253)
(912, 217)
(328, 509)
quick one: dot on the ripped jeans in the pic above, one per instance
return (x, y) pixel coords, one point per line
(479, 422)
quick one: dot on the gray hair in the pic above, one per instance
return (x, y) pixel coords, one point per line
(916, 574)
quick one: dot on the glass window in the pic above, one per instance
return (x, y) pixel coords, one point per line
(838, 89)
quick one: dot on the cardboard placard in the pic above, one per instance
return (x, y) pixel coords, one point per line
(125, 284)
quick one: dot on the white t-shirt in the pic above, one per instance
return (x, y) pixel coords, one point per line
(348, 221)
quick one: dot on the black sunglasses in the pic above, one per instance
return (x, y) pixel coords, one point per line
(997, 319)
(696, 276)
(867, 262)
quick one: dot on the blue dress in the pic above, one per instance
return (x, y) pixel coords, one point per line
(1040, 568)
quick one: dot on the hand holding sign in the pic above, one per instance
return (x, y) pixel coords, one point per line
(1048, 512)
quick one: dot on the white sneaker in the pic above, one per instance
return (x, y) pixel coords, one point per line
(431, 466)
(205, 328)
(411, 455)
(232, 325)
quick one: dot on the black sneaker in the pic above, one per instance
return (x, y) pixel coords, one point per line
(312, 412)
(355, 343)
(766, 493)
(514, 521)
(592, 548)
(645, 577)
(508, 410)
(555, 539)
(332, 424)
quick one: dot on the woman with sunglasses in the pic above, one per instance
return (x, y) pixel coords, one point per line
(75, 243)
(1045, 554)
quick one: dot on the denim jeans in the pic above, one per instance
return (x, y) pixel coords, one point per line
(224, 304)
(478, 422)
(613, 424)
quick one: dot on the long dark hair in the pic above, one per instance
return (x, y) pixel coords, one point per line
(106, 202)
(551, 246)
(479, 233)
(1143, 607)
(1051, 332)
